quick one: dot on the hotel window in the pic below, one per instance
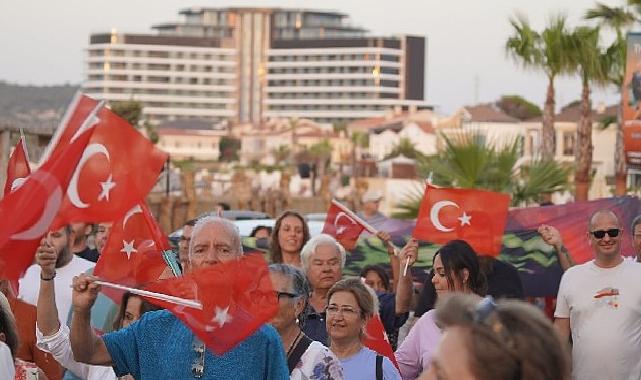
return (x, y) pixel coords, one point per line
(569, 142)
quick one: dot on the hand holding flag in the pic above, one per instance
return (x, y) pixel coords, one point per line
(237, 298)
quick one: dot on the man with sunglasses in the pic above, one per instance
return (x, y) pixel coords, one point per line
(599, 303)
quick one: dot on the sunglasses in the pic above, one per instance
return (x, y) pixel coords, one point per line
(600, 234)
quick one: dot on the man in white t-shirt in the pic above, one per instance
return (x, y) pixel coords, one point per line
(599, 302)
(68, 265)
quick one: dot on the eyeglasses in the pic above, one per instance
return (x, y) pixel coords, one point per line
(345, 310)
(281, 295)
(600, 234)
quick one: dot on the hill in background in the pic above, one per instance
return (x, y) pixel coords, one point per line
(33, 106)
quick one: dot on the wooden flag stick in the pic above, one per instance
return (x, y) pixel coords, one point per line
(363, 223)
(164, 297)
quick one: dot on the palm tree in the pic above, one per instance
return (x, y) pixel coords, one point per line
(617, 19)
(281, 154)
(467, 161)
(544, 51)
(590, 63)
(359, 140)
(406, 148)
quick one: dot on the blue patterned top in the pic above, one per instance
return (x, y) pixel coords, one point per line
(159, 346)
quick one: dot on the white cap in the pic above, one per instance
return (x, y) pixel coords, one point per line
(372, 196)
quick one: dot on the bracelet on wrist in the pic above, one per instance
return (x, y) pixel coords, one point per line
(48, 279)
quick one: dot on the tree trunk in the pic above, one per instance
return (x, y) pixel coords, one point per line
(620, 174)
(547, 133)
(583, 149)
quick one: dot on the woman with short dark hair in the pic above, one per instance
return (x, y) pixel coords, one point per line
(307, 359)
(350, 305)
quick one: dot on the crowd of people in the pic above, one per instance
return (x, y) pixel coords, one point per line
(469, 320)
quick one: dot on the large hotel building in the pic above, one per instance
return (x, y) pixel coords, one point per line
(251, 64)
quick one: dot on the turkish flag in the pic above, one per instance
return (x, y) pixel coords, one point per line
(375, 338)
(237, 298)
(18, 167)
(27, 213)
(476, 216)
(133, 253)
(117, 170)
(79, 117)
(342, 226)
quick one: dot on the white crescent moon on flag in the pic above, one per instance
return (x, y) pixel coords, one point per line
(434, 215)
(41, 226)
(72, 190)
(340, 229)
(17, 183)
(134, 210)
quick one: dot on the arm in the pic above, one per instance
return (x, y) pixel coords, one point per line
(46, 311)
(404, 286)
(86, 346)
(563, 327)
(394, 262)
(552, 236)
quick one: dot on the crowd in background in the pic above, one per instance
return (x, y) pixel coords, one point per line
(467, 321)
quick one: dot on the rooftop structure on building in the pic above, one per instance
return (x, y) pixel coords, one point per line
(252, 64)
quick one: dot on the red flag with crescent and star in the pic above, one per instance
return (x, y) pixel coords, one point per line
(132, 255)
(237, 298)
(343, 227)
(27, 212)
(476, 216)
(118, 168)
(18, 167)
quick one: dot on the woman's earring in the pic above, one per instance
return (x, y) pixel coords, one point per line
(297, 321)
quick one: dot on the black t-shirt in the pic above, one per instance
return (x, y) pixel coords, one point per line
(89, 254)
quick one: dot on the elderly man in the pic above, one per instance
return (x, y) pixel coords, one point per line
(599, 303)
(160, 346)
(323, 260)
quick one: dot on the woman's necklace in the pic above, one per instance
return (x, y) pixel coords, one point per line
(291, 347)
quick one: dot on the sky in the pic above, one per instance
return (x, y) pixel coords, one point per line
(42, 42)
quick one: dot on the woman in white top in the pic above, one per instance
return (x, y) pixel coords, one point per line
(307, 359)
(53, 337)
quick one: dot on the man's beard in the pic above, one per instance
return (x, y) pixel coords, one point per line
(63, 257)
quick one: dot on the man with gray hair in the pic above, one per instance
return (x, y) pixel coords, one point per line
(159, 345)
(599, 304)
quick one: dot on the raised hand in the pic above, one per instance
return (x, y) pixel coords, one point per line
(85, 291)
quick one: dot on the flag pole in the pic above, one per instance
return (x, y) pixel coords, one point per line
(363, 223)
(164, 297)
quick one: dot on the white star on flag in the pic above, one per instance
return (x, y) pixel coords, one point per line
(465, 219)
(222, 316)
(128, 248)
(106, 188)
